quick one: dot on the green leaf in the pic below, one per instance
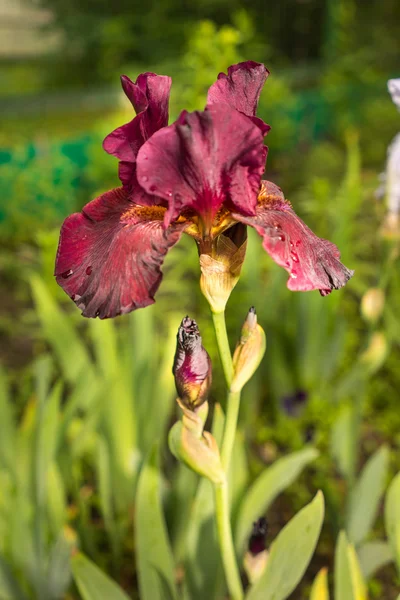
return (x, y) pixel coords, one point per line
(154, 556)
(92, 583)
(349, 582)
(320, 590)
(342, 442)
(7, 425)
(66, 343)
(59, 569)
(373, 556)
(9, 586)
(266, 488)
(392, 518)
(290, 554)
(366, 496)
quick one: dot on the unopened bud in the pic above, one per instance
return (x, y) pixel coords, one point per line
(249, 351)
(221, 265)
(192, 366)
(255, 559)
(372, 304)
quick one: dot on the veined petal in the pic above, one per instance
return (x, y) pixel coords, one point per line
(109, 255)
(241, 89)
(203, 160)
(149, 96)
(313, 263)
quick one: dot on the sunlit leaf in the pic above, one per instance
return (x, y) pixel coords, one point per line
(59, 568)
(392, 518)
(342, 442)
(92, 583)
(319, 590)
(290, 554)
(373, 556)
(266, 488)
(57, 328)
(349, 582)
(154, 555)
(366, 496)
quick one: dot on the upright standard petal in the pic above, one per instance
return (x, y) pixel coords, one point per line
(202, 161)
(241, 89)
(149, 96)
(109, 255)
(313, 263)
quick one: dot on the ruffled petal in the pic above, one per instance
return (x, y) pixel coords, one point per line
(241, 89)
(149, 96)
(109, 255)
(203, 160)
(313, 263)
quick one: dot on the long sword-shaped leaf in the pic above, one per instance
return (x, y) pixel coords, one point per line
(290, 554)
(366, 496)
(266, 488)
(154, 555)
(392, 518)
(320, 590)
(92, 583)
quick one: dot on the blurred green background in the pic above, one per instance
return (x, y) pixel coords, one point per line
(81, 402)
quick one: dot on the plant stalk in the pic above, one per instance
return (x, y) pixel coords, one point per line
(223, 345)
(222, 508)
(231, 419)
(231, 570)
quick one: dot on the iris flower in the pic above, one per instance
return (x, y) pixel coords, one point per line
(201, 176)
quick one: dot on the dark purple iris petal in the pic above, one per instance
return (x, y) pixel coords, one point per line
(203, 160)
(149, 96)
(241, 89)
(313, 263)
(109, 255)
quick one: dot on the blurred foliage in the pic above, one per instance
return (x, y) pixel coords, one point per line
(86, 400)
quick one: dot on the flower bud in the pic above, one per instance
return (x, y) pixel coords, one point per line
(221, 265)
(192, 366)
(372, 304)
(249, 351)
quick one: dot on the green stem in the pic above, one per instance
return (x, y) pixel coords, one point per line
(223, 345)
(226, 543)
(222, 509)
(231, 419)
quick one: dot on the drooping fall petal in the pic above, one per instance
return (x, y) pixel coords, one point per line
(149, 96)
(203, 160)
(241, 89)
(313, 263)
(109, 255)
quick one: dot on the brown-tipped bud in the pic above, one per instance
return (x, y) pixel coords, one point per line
(249, 351)
(192, 366)
(372, 304)
(221, 265)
